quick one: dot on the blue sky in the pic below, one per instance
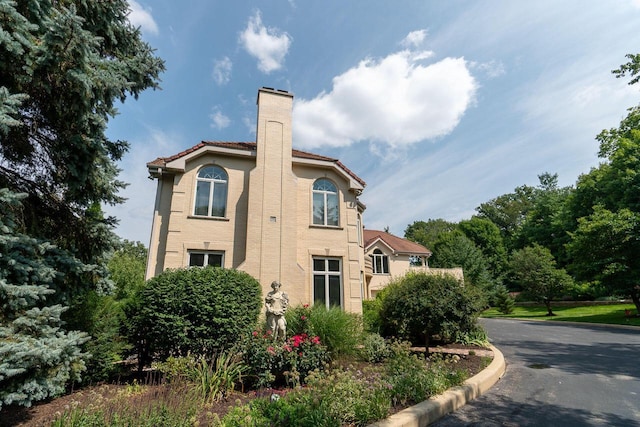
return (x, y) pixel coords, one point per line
(438, 105)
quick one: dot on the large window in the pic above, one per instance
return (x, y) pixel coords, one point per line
(204, 258)
(380, 262)
(326, 210)
(327, 282)
(211, 192)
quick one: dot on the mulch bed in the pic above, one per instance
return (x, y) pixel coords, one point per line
(44, 413)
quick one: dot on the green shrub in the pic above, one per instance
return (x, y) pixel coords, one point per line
(275, 362)
(371, 315)
(375, 348)
(176, 369)
(475, 336)
(339, 331)
(296, 408)
(413, 378)
(353, 396)
(420, 305)
(193, 310)
(503, 301)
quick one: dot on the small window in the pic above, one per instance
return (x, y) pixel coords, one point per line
(327, 282)
(211, 192)
(380, 262)
(202, 259)
(326, 210)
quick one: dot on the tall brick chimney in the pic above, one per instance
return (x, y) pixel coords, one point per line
(272, 214)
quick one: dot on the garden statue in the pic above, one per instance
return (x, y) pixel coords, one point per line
(276, 303)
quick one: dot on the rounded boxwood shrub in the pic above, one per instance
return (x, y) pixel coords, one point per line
(193, 310)
(420, 305)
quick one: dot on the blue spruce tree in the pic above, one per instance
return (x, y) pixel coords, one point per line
(37, 357)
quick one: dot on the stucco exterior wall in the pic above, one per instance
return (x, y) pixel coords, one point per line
(268, 228)
(399, 266)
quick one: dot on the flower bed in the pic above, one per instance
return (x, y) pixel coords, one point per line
(150, 400)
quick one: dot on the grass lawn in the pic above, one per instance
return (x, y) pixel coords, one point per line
(607, 314)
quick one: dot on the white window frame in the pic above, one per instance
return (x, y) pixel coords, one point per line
(326, 274)
(380, 262)
(214, 182)
(206, 257)
(326, 194)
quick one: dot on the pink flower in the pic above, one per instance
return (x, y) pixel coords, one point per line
(303, 317)
(315, 340)
(255, 333)
(306, 305)
(271, 350)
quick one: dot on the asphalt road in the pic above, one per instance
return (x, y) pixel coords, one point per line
(559, 375)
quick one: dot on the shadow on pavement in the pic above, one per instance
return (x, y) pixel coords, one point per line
(508, 413)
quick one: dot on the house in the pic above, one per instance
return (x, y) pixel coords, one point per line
(262, 207)
(392, 256)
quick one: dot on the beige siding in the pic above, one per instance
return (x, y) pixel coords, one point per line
(267, 230)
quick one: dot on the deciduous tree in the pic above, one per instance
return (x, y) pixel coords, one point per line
(535, 270)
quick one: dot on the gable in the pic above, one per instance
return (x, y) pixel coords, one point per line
(396, 244)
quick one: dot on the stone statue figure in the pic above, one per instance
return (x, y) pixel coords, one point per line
(276, 303)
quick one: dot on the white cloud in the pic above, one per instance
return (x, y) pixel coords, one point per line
(222, 70)
(492, 68)
(395, 101)
(268, 45)
(218, 119)
(414, 38)
(141, 17)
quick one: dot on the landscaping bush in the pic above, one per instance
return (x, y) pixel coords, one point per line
(413, 378)
(276, 362)
(503, 301)
(339, 331)
(354, 396)
(375, 348)
(371, 315)
(475, 336)
(419, 306)
(194, 310)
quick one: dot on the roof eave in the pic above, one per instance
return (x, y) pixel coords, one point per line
(354, 184)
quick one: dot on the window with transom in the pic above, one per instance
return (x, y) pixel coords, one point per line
(211, 192)
(326, 210)
(380, 262)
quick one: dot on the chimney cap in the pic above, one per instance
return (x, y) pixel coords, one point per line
(274, 91)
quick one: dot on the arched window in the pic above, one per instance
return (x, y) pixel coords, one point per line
(380, 262)
(211, 192)
(326, 210)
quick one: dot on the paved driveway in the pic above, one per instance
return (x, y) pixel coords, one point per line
(559, 375)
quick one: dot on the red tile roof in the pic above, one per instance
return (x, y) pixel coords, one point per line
(396, 243)
(251, 146)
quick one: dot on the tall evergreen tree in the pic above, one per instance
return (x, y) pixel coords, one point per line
(37, 356)
(63, 65)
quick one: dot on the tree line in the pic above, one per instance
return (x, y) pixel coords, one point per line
(581, 241)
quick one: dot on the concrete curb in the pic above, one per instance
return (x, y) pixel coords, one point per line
(431, 410)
